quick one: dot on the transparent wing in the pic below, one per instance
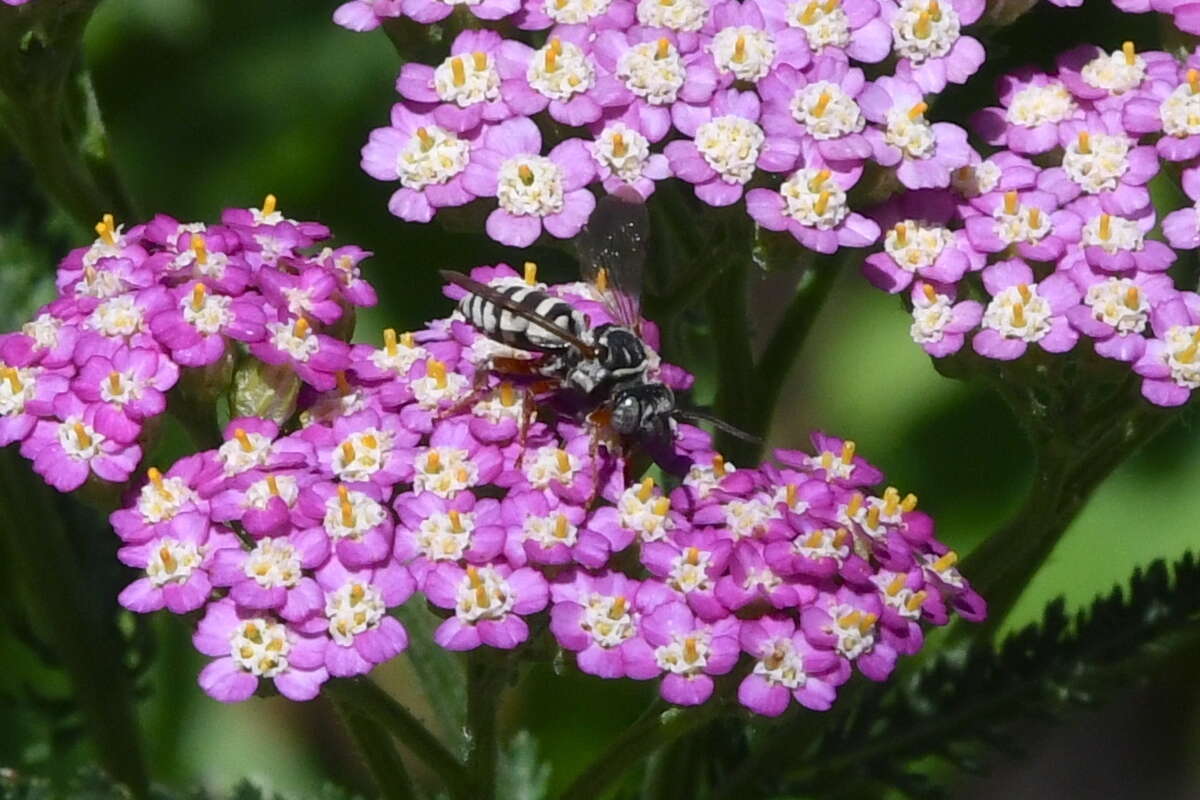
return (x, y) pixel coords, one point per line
(612, 254)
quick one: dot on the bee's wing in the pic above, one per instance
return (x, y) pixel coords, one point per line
(612, 254)
(503, 301)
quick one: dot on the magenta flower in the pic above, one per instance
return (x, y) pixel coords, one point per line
(745, 48)
(541, 529)
(454, 461)
(1100, 159)
(690, 564)
(812, 205)
(847, 623)
(1168, 365)
(596, 15)
(597, 618)
(311, 294)
(1109, 81)
(1023, 311)
(1182, 227)
(264, 503)
(27, 392)
(533, 191)
(1115, 310)
(488, 603)
(836, 461)
(161, 499)
(560, 76)
(939, 324)
(272, 576)
(1033, 106)
(919, 243)
(645, 72)
(128, 388)
(466, 84)
(923, 153)
(1032, 222)
(820, 105)
(623, 158)
(354, 518)
(364, 446)
(123, 320)
(430, 11)
(929, 43)
(1118, 243)
(848, 28)
(66, 450)
(786, 666)
(48, 340)
(726, 147)
(1004, 171)
(426, 158)
(435, 529)
(690, 651)
(175, 565)
(194, 326)
(315, 357)
(249, 646)
(366, 15)
(361, 632)
(250, 444)
(751, 578)
(343, 264)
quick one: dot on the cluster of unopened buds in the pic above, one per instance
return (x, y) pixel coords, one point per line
(766, 100)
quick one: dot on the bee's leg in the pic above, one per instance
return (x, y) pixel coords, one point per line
(597, 423)
(528, 412)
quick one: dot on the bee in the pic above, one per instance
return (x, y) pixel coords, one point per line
(610, 365)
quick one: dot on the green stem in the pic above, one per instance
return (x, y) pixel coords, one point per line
(649, 734)
(371, 702)
(483, 686)
(34, 540)
(732, 340)
(375, 746)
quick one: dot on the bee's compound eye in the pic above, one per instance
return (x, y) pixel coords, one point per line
(625, 414)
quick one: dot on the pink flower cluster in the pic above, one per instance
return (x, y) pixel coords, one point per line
(82, 382)
(721, 95)
(1052, 236)
(426, 471)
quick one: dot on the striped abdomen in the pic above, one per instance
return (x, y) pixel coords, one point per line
(516, 331)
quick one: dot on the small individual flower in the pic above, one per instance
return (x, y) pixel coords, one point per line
(454, 460)
(366, 15)
(1168, 366)
(559, 77)
(194, 325)
(541, 529)
(127, 388)
(66, 449)
(1023, 311)
(838, 28)
(821, 105)
(918, 243)
(124, 319)
(1099, 158)
(361, 632)
(690, 651)
(684, 18)
(466, 86)
(939, 324)
(250, 646)
(836, 461)
(1182, 227)
(597, 617)
(623, 158)
(745, 50)
(365, 446)
(1004, 171)
(923, 153)
(312, 293)
(175, 566)
(690, 564)
(488, 602)
(271, 576)
(1119, 243)
(726, 148)
(786, 666)
(645, 71)
(1034, 104)
(163, 498)
(250, 443)
(264, 504)
(315, 357)
(751, 578)
(847, 623)
(536, 15)
(927, 37)
(430, 11)
(1032, 222)
(354, 518)
(26, 393)
(533, 191)
(1115, 310)
(1108, 81)
(812, 205)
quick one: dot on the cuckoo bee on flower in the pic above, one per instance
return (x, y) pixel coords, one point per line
(610, 367)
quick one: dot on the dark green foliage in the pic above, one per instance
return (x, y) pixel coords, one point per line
(89, 784)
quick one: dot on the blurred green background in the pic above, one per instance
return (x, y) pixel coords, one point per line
(214, 103)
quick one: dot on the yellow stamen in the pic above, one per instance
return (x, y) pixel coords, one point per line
(199, 248)
(822, 202)
(739, 50)
(814, 539)
(114, 383)
(437, 370)
(1035, 217)
(530, 273)
(619, 147)
(1018, 315)
(840, 536)
(822, 103)
(867, 622)
(168, 560)
(873, 517)
(891, 501)
(810, 13)
(433, 461)
(916, 601)
(389, 341)
(346, 508)
(1010, 203)
(663, 49)
(81, 435)
(827, 461)
(1193, 79)
(300, 329)
(457, 71)
(908, 503)
(945, 562)
(1105, 226)
(198, 293)
(552, 56)
(562, 459)
(661, 506)
(918, 110)
(901, 234)
(646, 489)
(689, 650)
(273, 485)
(425, 139)
(718, 465)
(856, 501)
(560, 527)
(935, 11)
(848, 448)
(818, 180)
(408, 340)
(1084, 142)
(602, 280)
(1130, 53)
(1132, 298)
(790, 495)
(830, 5)
(692, 556)
(618, 607)
(850, 620)
(481, 60)
(923, 27)
(243, 439)
(508, 395)
(156, 478)
(1188, 355)
(1024, 291)
(268, 206)
(525, 174)
(897, 584)
(455, 520)
(929, 291)
(348, 454)
(107, 229)
(14, 379)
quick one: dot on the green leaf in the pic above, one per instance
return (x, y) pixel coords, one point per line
(522, 775)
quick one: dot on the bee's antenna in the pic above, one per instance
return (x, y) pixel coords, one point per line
(719, 424)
